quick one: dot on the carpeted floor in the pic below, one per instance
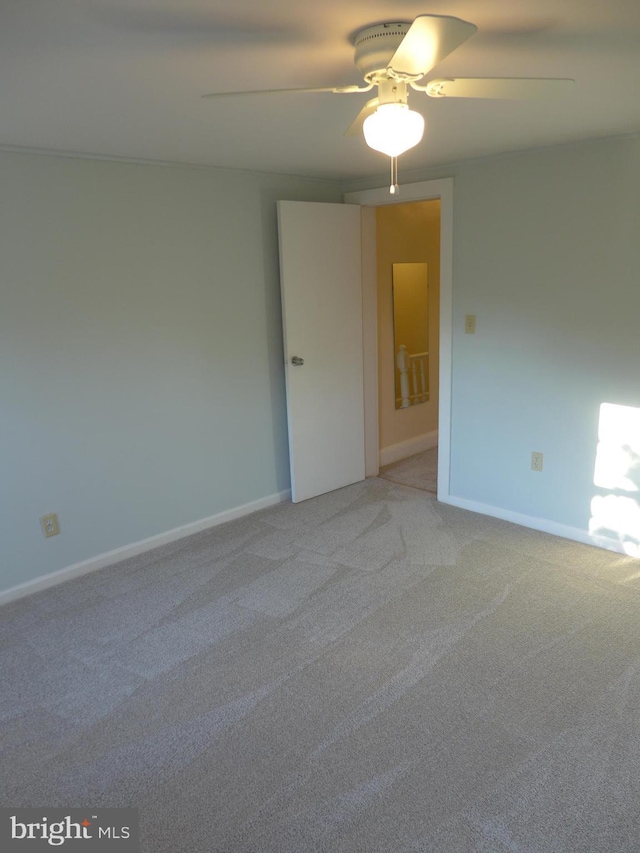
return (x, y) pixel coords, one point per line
(419, 471)
(366, 671)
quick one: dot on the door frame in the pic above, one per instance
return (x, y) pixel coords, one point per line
(369, 200)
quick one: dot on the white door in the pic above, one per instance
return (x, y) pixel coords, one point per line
(321, 282)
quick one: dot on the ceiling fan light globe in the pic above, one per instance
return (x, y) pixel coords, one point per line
(393, 129)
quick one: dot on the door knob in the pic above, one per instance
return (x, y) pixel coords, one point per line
(297, 361)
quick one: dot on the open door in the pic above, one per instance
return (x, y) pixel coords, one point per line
(321, 283)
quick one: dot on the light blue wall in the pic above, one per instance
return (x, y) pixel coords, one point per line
(141, 380)
(547, 255)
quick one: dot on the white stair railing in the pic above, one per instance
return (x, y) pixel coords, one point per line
(413, 376)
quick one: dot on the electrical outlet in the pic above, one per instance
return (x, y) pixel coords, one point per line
(470, 324)
(50, 524)
(536, 461)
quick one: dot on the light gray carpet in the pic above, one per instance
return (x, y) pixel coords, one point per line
(366, 671)
(419, 471)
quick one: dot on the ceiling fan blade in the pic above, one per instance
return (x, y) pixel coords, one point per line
(355, 128)
(336, 90)
(429, 40)
(259, 92)
(499, 87)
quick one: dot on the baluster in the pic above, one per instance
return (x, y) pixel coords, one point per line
(414, 377)
(401, 361)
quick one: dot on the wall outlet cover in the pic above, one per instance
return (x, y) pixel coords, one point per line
(50, 524)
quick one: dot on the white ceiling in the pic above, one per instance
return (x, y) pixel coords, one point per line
(123, 78)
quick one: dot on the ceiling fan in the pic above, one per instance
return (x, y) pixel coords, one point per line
(395, 56)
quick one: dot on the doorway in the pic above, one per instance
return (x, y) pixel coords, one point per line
(408, 275)
(370, 200)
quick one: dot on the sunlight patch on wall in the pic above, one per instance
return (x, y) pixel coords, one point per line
(616, 516)
(618, 457)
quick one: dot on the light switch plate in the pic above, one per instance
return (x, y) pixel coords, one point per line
(470, 324)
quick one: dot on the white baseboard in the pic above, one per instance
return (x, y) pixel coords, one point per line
(396, 452)
(119, 554)
(576, 534)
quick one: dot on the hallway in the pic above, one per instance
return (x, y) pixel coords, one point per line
(419, 471)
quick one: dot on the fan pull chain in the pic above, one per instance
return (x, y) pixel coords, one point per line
(393, 189)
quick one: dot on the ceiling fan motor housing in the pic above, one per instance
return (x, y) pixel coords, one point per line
(376, 45)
